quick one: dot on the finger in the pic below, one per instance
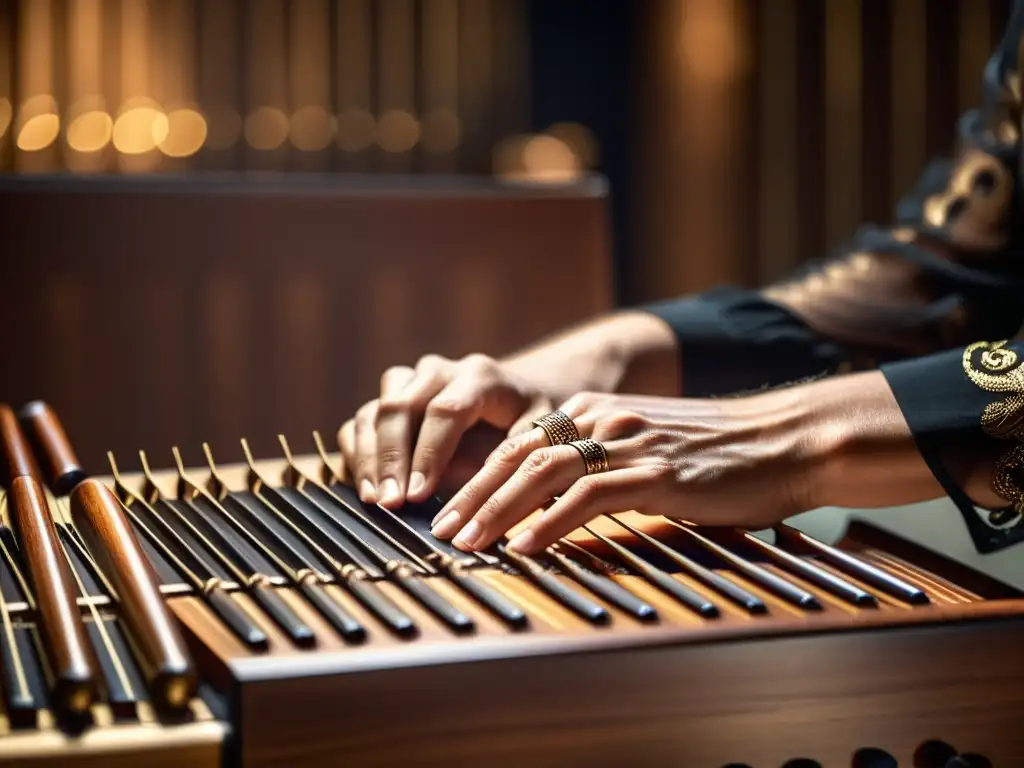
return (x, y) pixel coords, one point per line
(499, 467)
(545, 473)
(364, 466)
(347, 445)
(588, 498)
(404, 395)
(449, 415)
(540, 408)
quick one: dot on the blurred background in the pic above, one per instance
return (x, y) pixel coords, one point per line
(226, 217)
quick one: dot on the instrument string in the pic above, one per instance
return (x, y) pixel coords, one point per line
(108, 645)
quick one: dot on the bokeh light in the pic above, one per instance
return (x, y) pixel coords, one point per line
(186, 132)
(312, 128)
(140, 127)
(266, 128)
(38, 123)
(398, 131)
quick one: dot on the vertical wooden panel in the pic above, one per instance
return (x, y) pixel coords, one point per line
(219, 79)
(975, 46)
(777, 77)
(842, 119)
(811, 127)
(475, 73)
(397, 124)
(909, 94)
(942, 21)
(227, 349)
(439, 31)
(876, 94)
(354, 83)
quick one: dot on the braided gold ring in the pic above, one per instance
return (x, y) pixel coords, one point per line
(595, 457)
(560, 429)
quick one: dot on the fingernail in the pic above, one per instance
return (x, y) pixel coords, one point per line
(437, 518)
(523, 542)
(367, 492)
(468, 535)
(417, 482)
(449, 524)
(389, 493)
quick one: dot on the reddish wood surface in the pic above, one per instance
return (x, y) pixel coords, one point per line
(166, 661)
(17, 453)
(63, 472)
(64, 638)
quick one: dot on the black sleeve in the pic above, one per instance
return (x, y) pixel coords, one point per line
(970, 397)
(947, 273)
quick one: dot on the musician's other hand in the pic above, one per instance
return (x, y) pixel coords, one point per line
(400, 446)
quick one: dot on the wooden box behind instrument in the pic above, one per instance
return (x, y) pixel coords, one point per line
(154, 312)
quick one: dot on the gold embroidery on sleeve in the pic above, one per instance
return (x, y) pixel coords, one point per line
(992, 367)
(996, 369)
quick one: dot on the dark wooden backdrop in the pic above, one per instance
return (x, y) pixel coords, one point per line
(766, 131)
(154, 312)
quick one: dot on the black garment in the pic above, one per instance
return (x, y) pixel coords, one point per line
(930, 300)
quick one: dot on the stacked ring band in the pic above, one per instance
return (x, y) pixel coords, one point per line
(594, 455)
(560, 429)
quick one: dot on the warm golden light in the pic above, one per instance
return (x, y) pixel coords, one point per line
(398, 131)
(441, 131)
(38, 132)
(5, 116)
(266, 128)
(356, 130)
(548, 159)
(139, 128)
(709, 41)
(312, 129)
(223, 129)
(39, 124)
(580, 140)
(90, 131)
(186, 132)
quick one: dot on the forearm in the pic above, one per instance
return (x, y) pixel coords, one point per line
(630, 351)
(855, 449)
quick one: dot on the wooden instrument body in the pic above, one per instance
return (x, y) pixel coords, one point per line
(687, 691)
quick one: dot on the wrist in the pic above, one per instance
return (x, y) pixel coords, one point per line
(851, 445)
(629, 351)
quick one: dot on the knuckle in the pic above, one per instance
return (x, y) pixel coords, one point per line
(621, 423)
(393, 406)
(582, 401)
(444, 408)
(509, 452)
(431, 363)
(540, 463)
(393, 373)
(390, 457)
(480, 364)
(366, 415)
(585, 490)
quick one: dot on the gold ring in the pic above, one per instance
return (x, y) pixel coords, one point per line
(595, 457)
(560, 429)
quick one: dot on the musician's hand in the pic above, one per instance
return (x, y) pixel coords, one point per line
(402, 445)
(717, 462)
(748, 462)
